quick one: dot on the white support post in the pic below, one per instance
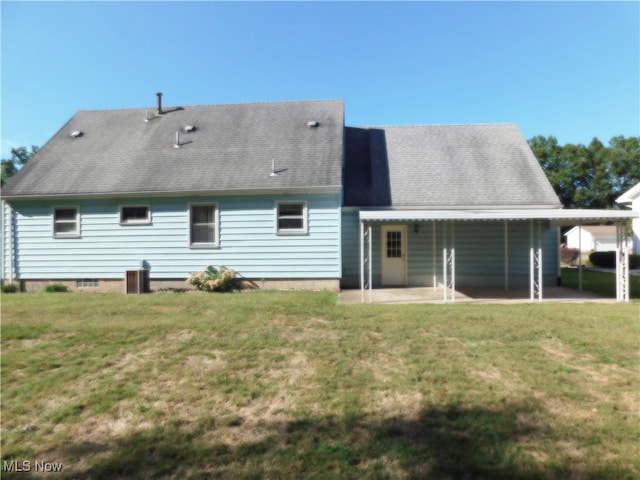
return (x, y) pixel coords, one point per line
(361, 262)
(540, 286)
(434, 266)
(580, 258)
(444, 273)
(531, 274)
(370, 264)
(627, 286)
(540, 264)
(449, 266)
(453, 262)
(619, 287)
(444, 260)
(453, 274)
(366, 259)
(622, 266)
(506, 256)
(531, 262)
(535, 274)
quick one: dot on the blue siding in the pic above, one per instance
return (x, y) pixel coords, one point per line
(248, 241)
(479, 252)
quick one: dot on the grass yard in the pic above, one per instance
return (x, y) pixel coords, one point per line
(603, 283)
(282, 385)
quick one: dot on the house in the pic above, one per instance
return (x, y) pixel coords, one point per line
(631, 198)
(285, 194)
(593, 238)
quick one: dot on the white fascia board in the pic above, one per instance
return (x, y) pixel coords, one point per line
(449, 208)
(211, 193)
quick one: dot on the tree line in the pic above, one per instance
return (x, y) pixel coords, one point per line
(19, 156)
(591, 176)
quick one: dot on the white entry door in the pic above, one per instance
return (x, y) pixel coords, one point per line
(394, 255)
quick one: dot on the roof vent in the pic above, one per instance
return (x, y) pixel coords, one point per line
(159, 110)
(76, 134)
(313, 124)
(176, 144)
(189, 128)
(274, 171)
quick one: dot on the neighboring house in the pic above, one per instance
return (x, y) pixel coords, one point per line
(594, 238)
(287, 196)
(631, 198)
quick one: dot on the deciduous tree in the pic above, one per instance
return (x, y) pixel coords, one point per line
(590, 176)
(19, 156)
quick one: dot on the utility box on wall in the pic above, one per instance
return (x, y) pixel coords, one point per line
(137, 281)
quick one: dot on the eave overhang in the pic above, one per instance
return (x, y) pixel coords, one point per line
(225, 192)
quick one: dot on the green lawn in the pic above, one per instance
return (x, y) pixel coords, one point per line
(291, 385)
(603, 283)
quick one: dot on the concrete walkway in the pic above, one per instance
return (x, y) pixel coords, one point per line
(470, 295)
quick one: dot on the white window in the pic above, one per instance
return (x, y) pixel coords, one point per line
(204, 225)
(291, 217)
(66, 222)
(135, 215)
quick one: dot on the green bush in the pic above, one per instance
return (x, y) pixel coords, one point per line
(56, 288)
(10, 288)
(569, 256)
(608, 260)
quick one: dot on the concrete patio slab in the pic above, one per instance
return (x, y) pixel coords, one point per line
(467, 295)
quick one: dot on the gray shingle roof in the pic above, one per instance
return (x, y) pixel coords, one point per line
(443, 166)
(231, 149)
(430, 166)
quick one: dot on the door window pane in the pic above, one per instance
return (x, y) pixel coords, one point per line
(394, 244)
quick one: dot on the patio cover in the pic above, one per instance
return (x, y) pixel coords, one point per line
(557, 217)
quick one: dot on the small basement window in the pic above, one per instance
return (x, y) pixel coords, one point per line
(135, 215)
(291, 217)
(87, 283)
(66, 222)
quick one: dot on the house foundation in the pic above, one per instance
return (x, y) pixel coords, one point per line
(118, 285)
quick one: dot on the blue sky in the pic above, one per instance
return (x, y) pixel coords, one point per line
(569, 69)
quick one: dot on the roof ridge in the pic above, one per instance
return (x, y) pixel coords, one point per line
(212, 105)
(477, 124)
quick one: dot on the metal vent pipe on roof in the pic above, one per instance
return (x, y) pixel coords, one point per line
(159, 94)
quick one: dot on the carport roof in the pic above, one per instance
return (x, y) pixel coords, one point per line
(556, 216)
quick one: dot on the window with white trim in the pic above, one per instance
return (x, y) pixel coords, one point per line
(203, 225)
(291, 217)
(66, 222)
(135, 214)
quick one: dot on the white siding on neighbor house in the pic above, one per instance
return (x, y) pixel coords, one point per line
(635, 205)
(5, 241)
(479, 250)
(602, 240)
(248, 241)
